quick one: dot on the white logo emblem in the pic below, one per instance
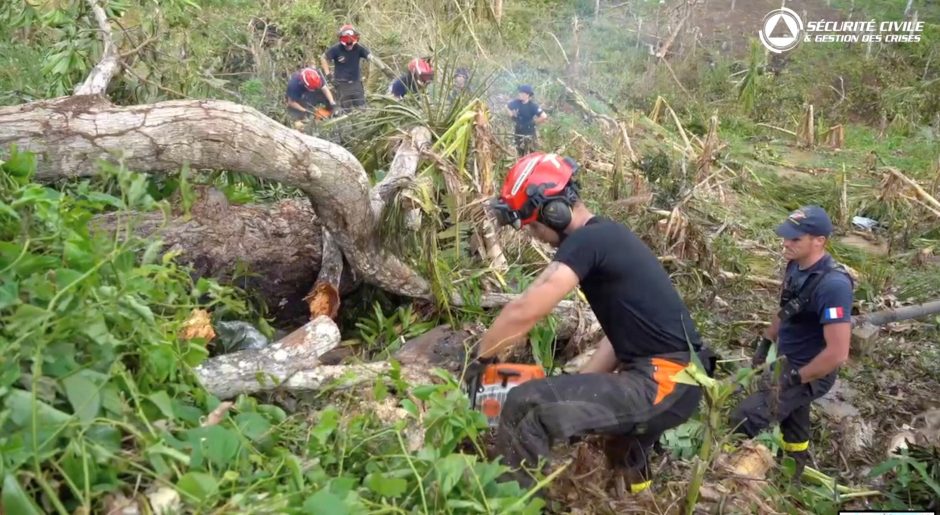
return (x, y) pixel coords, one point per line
(781, 30)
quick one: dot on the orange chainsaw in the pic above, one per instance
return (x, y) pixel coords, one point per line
(489, 391)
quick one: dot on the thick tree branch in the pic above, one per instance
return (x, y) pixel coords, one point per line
(71, 134)
(403, 168)
(97, 81)
(252, 371)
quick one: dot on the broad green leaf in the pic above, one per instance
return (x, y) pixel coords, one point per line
(137, 307)
(162, 401)
(26, 318)
(379, 391)
(385, 486)
(20, 404)
(78, 253)
(329, 419)
(161, 361)
(9, 293)
(15, 500)
(449, 470)
(104, 198)
(198, 485)
(20, 165)
(325, 503)
(84, 397)
(221, 445)
(195, 353)
(252, 425)
(409, 406)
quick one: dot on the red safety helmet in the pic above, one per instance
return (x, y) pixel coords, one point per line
(348, 35)
(421, 69)
(311, 78)
(533, 182)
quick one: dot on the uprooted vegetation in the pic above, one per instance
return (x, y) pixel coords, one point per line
(107, 278)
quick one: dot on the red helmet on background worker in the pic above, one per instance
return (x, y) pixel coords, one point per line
(532, 188)
(348, 35)
(421, 69)
(311, 78)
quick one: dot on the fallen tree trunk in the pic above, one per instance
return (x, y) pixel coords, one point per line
(70, 134)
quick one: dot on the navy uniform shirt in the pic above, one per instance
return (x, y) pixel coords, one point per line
(299, 93)
(346, 62)
(526, 112)
(403, 85)
(633, 297)
(800, 338)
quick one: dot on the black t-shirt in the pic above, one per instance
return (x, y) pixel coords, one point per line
(525, 115)
(299, 93)
(800, 338)
(629, 290)
(346, 62)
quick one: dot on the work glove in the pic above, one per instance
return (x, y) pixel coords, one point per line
(761, 348)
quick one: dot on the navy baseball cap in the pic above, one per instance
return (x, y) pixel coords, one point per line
(811, 220)
(525, 88)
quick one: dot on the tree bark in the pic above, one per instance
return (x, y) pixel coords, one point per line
(70, 134)
(278, 244)
(252, 371)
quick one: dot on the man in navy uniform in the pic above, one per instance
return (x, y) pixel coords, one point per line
(526, 113)
(812, 329)
(347, 73)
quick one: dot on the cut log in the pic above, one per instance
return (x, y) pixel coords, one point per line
(253, 371)
(70, 134)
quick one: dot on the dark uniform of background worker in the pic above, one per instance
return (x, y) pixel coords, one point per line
(526, 114)
(308, 95)
(347, 73)
(648, 329)
(812, 329)
(420, 73)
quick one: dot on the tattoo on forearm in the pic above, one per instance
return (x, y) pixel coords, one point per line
(546, 274)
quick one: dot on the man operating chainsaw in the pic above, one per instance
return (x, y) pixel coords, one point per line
(627, 388)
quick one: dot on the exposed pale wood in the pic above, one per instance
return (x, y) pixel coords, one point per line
(663, 50)
(921, 192)
(100, 76)
(324, 299)
(252, 371)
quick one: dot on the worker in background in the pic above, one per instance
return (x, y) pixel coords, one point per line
(526, 114)
(648, 329)
(420, 73)
(812, 329)
(308, 96)
(347, 72)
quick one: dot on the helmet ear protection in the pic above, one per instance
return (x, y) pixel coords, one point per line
(553, 211)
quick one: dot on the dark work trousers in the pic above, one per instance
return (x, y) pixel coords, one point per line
(350, 93)
(791, 410)
(630, 403)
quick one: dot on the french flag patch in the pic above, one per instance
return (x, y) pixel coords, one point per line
(835, 313)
